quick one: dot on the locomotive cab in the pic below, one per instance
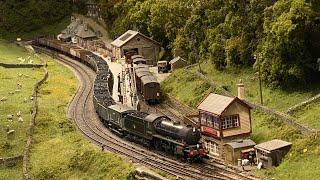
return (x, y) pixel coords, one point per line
(195, 153)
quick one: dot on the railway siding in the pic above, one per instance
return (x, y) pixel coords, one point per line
(93, 130)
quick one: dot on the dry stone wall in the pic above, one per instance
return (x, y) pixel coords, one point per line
(8, 160)
(26, 154)
(303, 104)
(21, 65)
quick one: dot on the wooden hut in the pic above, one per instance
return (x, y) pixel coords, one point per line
(238, 149)
(270, 153)
(177, 62)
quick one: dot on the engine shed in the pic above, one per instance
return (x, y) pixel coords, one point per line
(138, 42)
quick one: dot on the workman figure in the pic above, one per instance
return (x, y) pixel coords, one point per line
(250, 158)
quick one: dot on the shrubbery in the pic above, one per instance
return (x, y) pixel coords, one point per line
(229, 33)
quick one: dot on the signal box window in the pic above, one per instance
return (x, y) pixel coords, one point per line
(230, 122)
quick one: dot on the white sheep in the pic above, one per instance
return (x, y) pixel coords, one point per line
(10, 117)
(20, 119)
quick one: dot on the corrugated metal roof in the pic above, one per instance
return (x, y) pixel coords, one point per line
(177, 59)
(273, 145)
(241, 143)
(215, 103)
(127, 36)
(144, 69)
(120, 41)
(85, 32)
(138, 66)
(143, 73)
(148, 79)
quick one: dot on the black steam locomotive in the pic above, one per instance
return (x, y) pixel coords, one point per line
(151, 130)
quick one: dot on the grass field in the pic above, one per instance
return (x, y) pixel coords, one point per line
(64, 153)
(12, 53)
(279, 99)
(19, 101)
(309, 115)
(303, 160)
(46, 30)
(13, 171)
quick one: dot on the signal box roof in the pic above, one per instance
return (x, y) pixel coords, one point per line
(217, 104)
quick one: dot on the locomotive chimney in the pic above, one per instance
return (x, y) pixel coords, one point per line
(240, 86)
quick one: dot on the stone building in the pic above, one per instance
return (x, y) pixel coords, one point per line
(94, 11)
(85, 36)
(223, 119)
(141, 44)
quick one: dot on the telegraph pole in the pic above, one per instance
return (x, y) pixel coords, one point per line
(257, 58)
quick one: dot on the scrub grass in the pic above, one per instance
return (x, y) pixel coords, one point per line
(309, 115)
(275, 98)
(302, 162)
(14, 54)
(63, 153)
(11, 171)
(51, 29)
(15, 103)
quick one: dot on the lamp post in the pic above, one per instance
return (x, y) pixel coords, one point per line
(257, 58)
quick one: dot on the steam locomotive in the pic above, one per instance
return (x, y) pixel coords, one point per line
(151, 130)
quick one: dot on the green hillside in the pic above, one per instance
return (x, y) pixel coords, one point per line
(305, 152)
(283, 34)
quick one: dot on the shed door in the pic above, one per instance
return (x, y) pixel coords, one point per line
(148, 53)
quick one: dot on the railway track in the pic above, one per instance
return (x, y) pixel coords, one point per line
(82, 112)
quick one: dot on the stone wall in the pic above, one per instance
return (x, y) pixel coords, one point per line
(8, 160)
(21, 65)
(303, 104)
(282, 116)
(26, 153)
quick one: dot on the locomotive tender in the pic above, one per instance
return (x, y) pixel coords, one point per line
(151, 130)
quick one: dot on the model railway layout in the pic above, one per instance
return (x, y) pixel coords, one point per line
(151, 130)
